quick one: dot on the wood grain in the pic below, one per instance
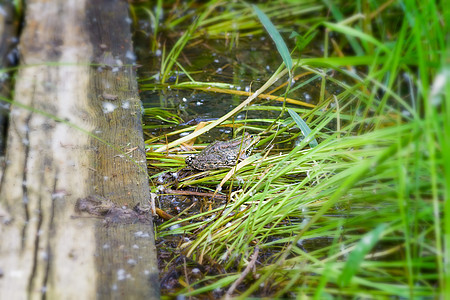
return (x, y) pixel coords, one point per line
(8, 37)
(75, 131)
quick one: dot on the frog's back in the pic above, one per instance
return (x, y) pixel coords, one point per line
(222, 154)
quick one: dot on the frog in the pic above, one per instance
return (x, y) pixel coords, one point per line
(223, 154)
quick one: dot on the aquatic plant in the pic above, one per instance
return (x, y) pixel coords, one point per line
(364, 212)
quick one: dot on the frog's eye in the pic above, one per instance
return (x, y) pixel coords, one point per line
(190, 159)
(230, 159)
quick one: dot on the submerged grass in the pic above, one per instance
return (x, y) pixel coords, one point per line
(374, 190)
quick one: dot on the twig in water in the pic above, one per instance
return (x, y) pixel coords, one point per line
(250, 265)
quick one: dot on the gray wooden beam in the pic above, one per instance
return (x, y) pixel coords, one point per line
(76, 135)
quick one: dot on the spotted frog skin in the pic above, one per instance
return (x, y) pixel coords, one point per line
(223, 154)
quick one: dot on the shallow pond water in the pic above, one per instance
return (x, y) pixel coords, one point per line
(246, 67)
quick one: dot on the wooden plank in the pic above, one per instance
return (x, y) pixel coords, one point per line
(53, 164)
(8, 37)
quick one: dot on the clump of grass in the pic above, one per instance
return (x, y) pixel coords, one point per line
(373, 190)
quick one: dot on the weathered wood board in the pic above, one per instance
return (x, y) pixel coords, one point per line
(8, 37)
(75, 134)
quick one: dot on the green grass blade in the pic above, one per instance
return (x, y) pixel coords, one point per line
(356, 33)
(303, 127)
(333, 7)
(276, 37)
(357, 256)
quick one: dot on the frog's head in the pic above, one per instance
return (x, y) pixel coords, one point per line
(247, 145)
(249, 142)
(190, 159)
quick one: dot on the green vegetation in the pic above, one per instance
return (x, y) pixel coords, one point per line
(372, 195)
